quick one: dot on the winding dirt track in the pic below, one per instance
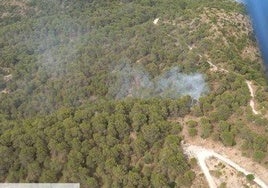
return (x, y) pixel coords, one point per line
(202, 154)
(214, 68)
(252, 103)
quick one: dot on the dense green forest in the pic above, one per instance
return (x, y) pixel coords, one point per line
(118, 144)
(61, 53)
(88, 88)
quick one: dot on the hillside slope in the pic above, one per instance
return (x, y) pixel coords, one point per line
(98, 92)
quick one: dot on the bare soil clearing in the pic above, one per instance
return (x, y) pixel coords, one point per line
(226, 175)
(156, 21)
(202, 155)
(233, 153)
(8, 77)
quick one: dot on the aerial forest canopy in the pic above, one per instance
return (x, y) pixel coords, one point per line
(89, 90)
(63, 53)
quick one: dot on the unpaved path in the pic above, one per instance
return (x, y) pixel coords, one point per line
(202, 154)
(214, 68)
(252, 103)
(233, 153)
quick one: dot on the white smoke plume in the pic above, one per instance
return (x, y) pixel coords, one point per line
(136, 82)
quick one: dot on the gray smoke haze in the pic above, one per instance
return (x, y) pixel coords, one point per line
(56, 40)
(136, 82)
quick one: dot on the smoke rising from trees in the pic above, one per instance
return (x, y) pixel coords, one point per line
(130, 81)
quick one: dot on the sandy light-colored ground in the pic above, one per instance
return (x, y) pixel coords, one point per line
(252, 94)
(225, 175)
(233, 175)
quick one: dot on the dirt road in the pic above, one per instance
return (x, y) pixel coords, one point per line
(252, 103)
(202, 154)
